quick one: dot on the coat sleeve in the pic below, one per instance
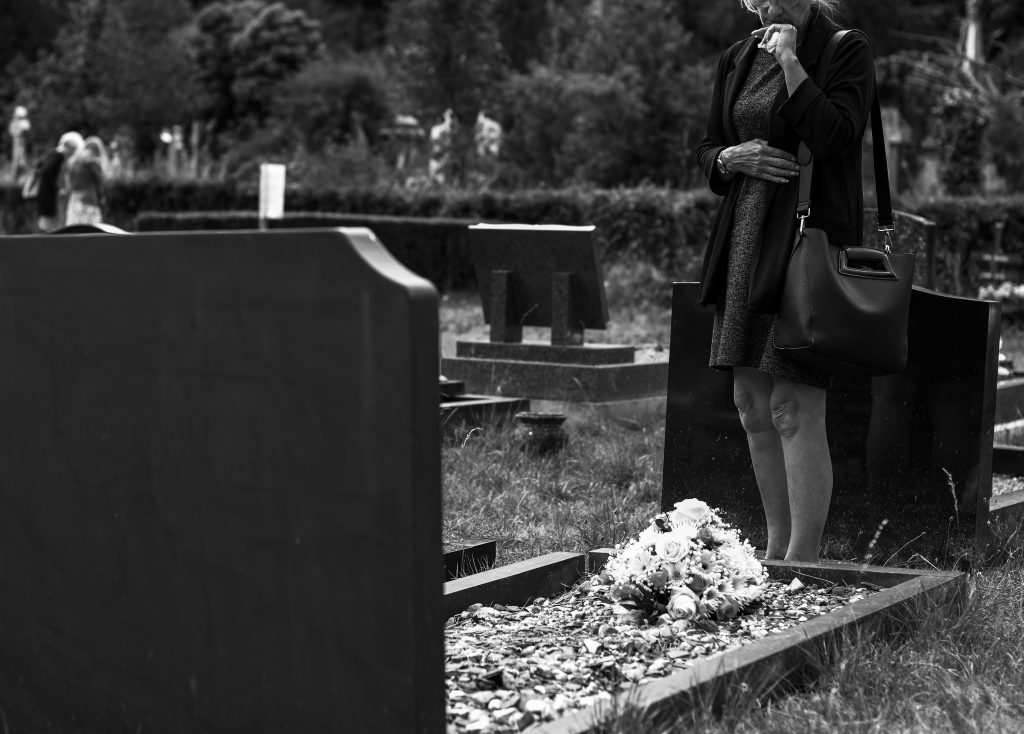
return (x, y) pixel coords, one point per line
(831, 121)
(714, 136)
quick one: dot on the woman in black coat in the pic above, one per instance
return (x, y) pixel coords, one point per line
(764, 103)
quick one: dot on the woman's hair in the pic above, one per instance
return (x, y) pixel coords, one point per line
(829, 6)
(72, 137)
(94, 146)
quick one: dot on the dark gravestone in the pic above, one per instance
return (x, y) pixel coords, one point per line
(914, 234)
(548, 275)
(912, 453)
(220, 480)
(538, 275)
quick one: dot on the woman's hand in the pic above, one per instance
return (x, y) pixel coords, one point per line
(758, 159)
(779, 39)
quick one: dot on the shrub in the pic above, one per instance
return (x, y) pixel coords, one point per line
(967, 225)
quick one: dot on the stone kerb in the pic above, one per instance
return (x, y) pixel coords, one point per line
(220, 472)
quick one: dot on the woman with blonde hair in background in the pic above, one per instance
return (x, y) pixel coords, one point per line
(86, 174)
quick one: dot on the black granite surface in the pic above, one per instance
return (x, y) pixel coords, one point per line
(912, 453)
(220, 485)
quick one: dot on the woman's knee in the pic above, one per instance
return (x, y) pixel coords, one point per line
(795, 408)
(752, 405)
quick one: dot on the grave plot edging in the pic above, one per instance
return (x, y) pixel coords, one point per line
(787, 657)
(469, 557)
(518, 583)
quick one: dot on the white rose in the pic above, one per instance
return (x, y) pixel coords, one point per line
(688, 512)
(672, 547)
(682, 606)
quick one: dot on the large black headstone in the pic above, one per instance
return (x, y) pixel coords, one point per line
(912, 453)
(220, 485)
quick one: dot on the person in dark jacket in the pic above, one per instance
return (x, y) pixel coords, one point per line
(47, 205)
(52, 198)
(765, 101)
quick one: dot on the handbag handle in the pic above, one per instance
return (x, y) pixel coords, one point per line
(886, 222)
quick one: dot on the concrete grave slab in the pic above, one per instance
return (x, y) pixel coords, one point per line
(912, 453)
(795, 654)
(792, 655)
(220, 480)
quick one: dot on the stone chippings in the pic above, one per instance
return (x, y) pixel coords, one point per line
(508, 667)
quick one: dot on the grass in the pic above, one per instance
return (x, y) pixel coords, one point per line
(963, 671)
(603, 487)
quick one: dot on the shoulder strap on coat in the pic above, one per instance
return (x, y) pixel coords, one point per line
(886, 223)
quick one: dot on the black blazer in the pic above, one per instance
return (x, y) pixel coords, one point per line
(831, 121)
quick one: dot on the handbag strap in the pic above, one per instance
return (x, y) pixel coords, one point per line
(886, 222)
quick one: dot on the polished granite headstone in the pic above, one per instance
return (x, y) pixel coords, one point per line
(912, 453)
(538, 275)
(549, 276)
(220, 482)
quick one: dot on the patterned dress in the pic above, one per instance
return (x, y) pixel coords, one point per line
(741, 338)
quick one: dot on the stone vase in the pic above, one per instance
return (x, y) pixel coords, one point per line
(541, 434)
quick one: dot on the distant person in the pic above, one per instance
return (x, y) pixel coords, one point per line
(51, 200)
(18, 129)
(86, 173)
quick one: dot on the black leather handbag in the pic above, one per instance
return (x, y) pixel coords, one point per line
(844, 310)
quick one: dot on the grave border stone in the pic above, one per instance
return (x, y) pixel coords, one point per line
(791, 655)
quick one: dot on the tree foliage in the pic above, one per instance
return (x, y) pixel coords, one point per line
(116, 64)
(333, 102)
(243, 50)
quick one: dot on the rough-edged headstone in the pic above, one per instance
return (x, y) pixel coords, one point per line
(220, 482)
(912, 453)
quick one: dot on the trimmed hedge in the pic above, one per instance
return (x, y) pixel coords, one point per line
(664, 227)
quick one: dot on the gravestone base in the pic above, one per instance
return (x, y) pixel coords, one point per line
(639, 410)
(459, 409)
(569, 382)
(537, 351)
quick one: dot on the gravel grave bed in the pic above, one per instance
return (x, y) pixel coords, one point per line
(1005, 483)
(508, 668)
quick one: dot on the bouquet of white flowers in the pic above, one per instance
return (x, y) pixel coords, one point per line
(687, 564)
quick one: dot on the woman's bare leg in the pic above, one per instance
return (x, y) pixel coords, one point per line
(798, 415)
(752, 390)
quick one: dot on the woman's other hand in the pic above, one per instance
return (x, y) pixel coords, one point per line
(778, 39)
(757, 158)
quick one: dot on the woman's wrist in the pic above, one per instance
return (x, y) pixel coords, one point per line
(722, 162)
